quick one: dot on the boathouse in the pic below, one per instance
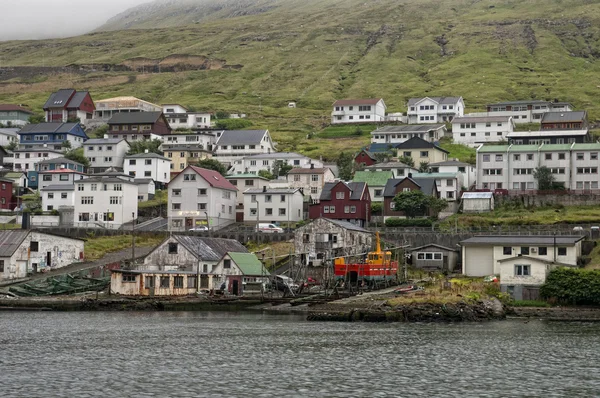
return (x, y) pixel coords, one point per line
(158, 283)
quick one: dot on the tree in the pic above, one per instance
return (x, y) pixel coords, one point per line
(77, 155)
(415, 203)
(281, 168)
(33, 202)
(545, 178)
(35, 119)
(221, 115)
(99, 132)
(345, 163)
(266, 174)
(212, 164)
(66, 145)
(423, 167)
(12, 146)
(407, 160)
(233, 124)
(152, 146)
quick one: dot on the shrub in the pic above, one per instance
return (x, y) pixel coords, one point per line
(572, 286)
(233, 124)
(408, 222)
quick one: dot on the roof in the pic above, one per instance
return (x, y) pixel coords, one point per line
(388, 165)
(213, 178)
(49, 128)
(347, 225)
(248, 263)
(148, 155)
(520, 240)
(480, 119)
(14, 174)
(366, 152)
(59, 99)
(152, 272)
(537, 259)
(521, 102)
(418, 143)
(356, 189)
(409, 128)
(77, 99)
(44, 150)
(450, 163)
(546, 133)
(302, 170)
(59, 187)
(14, 108)
(140, 181)
(373, 178)
(183, 147)
(439, 100)
(477, 195)
(573, 116)
(379, 147)
(11, 240)
(434, 175)
(271, 191)
(104, 141)
(245, 175)
(210, 249)
(99, 178)
(434, 245)
(9, 131)
(366, 101)
(241, 137)
(59, 160)
(426, 185)
(275, 155)
(493, 148)
(135, 117)
(7, 180)
(58, 171)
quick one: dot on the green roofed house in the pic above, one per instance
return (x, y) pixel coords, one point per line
(239, 272)
(375, 180)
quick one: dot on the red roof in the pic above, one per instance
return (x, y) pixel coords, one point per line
(13, 108)
(368, 101)
(215, 179)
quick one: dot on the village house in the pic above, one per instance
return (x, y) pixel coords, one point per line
(51, 136)
(55, 196)
(311, 180)
(244, 182)
(477, 202)
(564, 121)
(343, 201)
(434, 257)
(58, 176)
(146, 189)
(375, 180)
(6, 194)
(148, 165)
(158, 283)
(434, 109)
(26, 159)
(398, 168)
(53, 164)
(268, 205)
(8, 136)
(238, 271)
(136, 126)
(19, 182)
(527, 111)
(4, 155)
(269, 161)
(511, 167)
(105, 202)
(475, 130)
(467, 171)
(14, 115)
(233, 145)
(105, 153)
(204, 140)
(365, 158)
(180, 117)
(198, 197)
(449, 186)
(548, 137)
(406, 184)
(399, 134)
(182, 156)
(190, 253)
(23, 252)
(107, 108)
(421, 151)
(323, 239)
(358, 111)
(68, 105)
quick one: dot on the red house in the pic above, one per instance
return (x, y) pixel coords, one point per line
(69, 105)
(6, 193)
(340, 201)
(365, 158)
(134, 126)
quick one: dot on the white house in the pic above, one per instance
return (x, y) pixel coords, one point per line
(180, 117)
(448, 184)
(55, 196)
(26, 159)
(146, 188)
(232, 145)
(244, 182)
(434, 109)
(358, 111)
(273, 205)
(476, 130)
(400, 134)
(104, 153)
(527, 111)
(148, 165)
(468, 171)
(26, 251)
(198, 197)
(107, 108)
(58, 176)
(8, 136)
(106, 202)
(477, 202)
(266, 161)
(398, 168)
(311, 180)
(199, 140)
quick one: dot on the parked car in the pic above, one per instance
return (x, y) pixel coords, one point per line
(269, 229)
(200, 228)
(284, 283)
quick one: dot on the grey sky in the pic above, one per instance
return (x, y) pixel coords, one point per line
(38, 19)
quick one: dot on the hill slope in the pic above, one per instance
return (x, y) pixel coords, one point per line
(255, 56)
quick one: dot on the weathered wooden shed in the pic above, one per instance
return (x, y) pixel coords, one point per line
(434, 257)
(477, 202)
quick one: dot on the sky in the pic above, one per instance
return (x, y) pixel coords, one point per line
(40, 19)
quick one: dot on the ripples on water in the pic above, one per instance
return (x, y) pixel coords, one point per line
(189, 354)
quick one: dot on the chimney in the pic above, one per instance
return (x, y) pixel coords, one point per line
(105, 136)
(145, 151)
(409, 175)
(312, 166)
(265, 188)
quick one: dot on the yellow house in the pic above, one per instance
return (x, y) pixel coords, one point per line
(182, 155)
(421, 151)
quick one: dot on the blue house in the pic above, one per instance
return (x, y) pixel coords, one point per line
(51, 165)
(51, 135)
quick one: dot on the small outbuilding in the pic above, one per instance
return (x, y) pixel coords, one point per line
(434, 257)
(240, 270)
(477, 202)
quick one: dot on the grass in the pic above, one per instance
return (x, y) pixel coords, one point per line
(278, 249)
(459, 151)
(95, 248)
(160, 198)
(345, 131)
(10, 226)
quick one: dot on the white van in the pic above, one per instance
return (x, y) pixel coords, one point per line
(269, 229)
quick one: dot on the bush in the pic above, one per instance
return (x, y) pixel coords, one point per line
(572, 286)
(408, 222)
(233, 124)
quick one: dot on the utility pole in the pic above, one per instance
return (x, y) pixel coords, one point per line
(132, 238)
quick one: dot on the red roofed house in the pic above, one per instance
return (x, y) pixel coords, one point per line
(69, 105)
(199, 197)
(358, 111)
(14, 115)
(343, 201)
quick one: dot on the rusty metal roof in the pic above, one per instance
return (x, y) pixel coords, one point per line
(210, 249)
(10, 241)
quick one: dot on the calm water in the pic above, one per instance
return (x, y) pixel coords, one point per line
(252, 355)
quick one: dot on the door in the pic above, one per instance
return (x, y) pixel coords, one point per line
(523, 186)
(48, 259)
(236, 287)
(189, 223)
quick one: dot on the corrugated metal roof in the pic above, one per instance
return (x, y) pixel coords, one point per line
(249, 264)
(210, 249)
(301, 170)
(546, 133)
(59, 99)
(135, 117)
(409, 128)
(61, 160)
(571, 116)
(59, 187)
(493, 148)
(347, 225)
(373, 178)
(213, 178)
(149, 155)
(10, 241)
(480, 119)
(356, 189)
(241, 137)
(366, 101)
(14, 108)
(522, 240)
(590, 147)
(477, 195)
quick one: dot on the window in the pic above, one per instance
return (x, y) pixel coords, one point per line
(132, 162)
(189, 177)
(424, 154)
(314, 190)
(149, 282)
(268, 211)
(594, 156)
(176, 192)
(331, 209)
(548, 156)
(34, 246)
(165, 283)
(542, 251)
(94, 187)
(63, 195)
(201, 206)
(450, 195)
(562, 251)
(128, 278)
(486, 158)
(507, 250)
(50, 195)
(524, 250)
(192, 282)
(47, 177)
(87, 200)
(115, 200)
(109, 216)
(178, 282)
(1, 266)
(173, 247)
(325, 209)
(522, 270)
(378, 192)
(268, 198)
(352, 209)
(296, 177)
(314, 177)
(346, 209)
(108, 158)
(339, 195)
(530, 156)
(227, 263)
(253, 212)
(148, 162)
(282, 198)
(176, 206)
(579, 156)
(282, 211)
(117, 187)
(202, 192)
(498, 158)
(587, 170)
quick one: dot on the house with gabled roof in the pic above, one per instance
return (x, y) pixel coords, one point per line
(105, 153)
(51, 164)
(365, 158)
(343, 201)
(244, 182)
(398, 168)
(8, 136)
(26, 159)
(6, 194)
(148, 165)
(398, 185)
(358, 111)
(134, 126)
(269, 161)
(402, 133)
(524, 111)
(200, 197)
(232, 145)
(434, 109)
(421, 151)
(181, 117)
(375, 180)
(310, 179)
(51, 136)
(273, 205)
(237, 270)
(475, 130)
(69, 105)
(14, 115)
(467, 170)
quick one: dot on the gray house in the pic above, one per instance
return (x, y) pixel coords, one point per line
(434, 257)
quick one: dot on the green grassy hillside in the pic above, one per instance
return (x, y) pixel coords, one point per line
(257, 59)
